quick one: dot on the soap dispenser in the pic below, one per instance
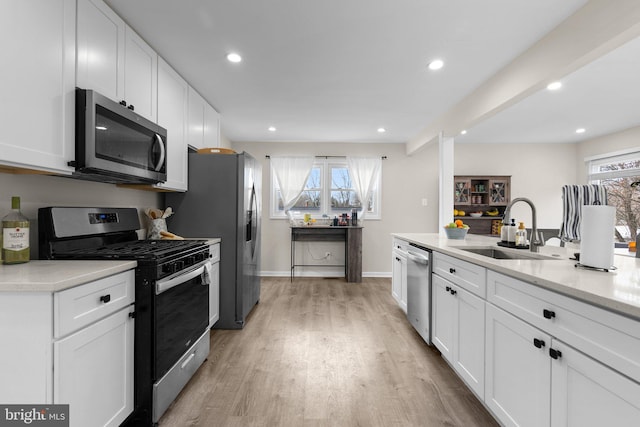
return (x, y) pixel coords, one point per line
(511, 232)
(504, 231)
(521, 236)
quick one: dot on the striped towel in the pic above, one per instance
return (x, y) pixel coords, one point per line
(573, 198)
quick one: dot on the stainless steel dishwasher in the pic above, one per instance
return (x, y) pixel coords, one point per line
(419, 290)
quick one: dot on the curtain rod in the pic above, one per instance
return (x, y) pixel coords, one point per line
(329, 157)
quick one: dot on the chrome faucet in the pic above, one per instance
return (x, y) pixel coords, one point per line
(536, 241)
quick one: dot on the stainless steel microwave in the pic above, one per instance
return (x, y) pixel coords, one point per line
(116, 145)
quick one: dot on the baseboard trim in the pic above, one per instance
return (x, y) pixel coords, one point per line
(329, 273)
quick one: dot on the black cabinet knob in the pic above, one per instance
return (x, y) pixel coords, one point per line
(538, 343)
(452, 270)
(448, 288)
(105, 298)
(548, 314)
(555, 354)
(453, 291)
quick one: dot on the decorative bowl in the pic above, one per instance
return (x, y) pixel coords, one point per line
(476, 214)
(456, 233)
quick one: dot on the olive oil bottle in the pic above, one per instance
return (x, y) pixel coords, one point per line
(15, 235)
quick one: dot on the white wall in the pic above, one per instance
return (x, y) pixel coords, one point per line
(38, 191)
(405, 182)
(538, 172)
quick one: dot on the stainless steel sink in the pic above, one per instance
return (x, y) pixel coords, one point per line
(498, 253)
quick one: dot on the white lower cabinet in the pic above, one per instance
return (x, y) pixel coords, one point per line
(93, 372)
(71, 347)
(518, 373)
(535, 357)
(214, 286)
(399, 281)
(458, 331)
(533, 379)
(587, 393)
(443, 307)
(399, 273)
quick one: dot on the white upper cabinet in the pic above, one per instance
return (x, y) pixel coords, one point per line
(173, 93)
(204, 122)
(114, 60)
(140, 76)
(100, 49)
(211, 131)
(37, 39)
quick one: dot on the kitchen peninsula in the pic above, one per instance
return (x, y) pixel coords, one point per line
(557, 344)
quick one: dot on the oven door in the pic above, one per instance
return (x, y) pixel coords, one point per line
(181, 315)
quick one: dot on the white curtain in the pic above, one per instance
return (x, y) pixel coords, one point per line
(291, 176)
(364, 173)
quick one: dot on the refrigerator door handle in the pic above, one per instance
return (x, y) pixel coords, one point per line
(249, 233)
(252, 221)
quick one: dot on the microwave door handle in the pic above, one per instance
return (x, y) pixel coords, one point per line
(158, 166)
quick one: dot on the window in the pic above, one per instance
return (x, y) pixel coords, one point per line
(618, 172)
(329, 191)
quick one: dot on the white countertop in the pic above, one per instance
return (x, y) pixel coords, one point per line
(53, 276)
(617, 290)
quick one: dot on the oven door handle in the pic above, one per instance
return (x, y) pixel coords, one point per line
(166, 284)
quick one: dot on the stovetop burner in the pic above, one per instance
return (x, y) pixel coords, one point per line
(140, 249)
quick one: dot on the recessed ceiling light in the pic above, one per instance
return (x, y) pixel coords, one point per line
(234, 57)
(554, 85)
(101, 128)
(436, 64)
(382, 130)
(464, 132)
(581, 130)
(272, 129)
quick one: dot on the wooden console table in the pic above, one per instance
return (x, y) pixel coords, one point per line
(350, 235)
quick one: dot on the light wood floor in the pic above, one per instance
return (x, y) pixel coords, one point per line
(323, 352)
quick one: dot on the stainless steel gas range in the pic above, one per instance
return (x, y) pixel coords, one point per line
(171, 296)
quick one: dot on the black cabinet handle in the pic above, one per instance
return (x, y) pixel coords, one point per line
(452, 270)
(130, 107)
(132, 314)
(448, 288)
(397, 259)
(555, 354)
(123, 103)
(453, 291)
(105, 298)
(548, 314)
(538, 343)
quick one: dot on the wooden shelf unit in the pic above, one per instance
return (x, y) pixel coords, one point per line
(475, 193)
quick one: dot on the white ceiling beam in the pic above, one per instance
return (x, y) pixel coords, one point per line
(594, 30)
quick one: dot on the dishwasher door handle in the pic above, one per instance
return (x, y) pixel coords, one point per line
(419, 258)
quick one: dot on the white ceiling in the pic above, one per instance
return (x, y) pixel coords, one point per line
(337, 70)
(603, 97)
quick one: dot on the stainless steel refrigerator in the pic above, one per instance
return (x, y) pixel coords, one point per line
(224, 200)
